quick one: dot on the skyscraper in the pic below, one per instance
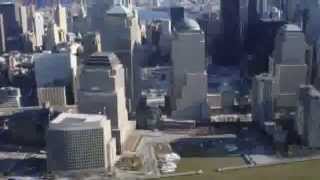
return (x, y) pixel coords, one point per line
(61, 18)
(289, 66)
(12, 28)
(102, 90)
(91, 43)
(54, 76)
(38, 26)
(10, 17)
(2, 35)
(230, 13)
(189, 85)
(122, 21)
(308, 116)
(80, 142)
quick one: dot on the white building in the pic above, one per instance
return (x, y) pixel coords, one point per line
(61, 18)
(79, 142)
(102, 90)
(23, 18)
(38, 22)
(189, 85)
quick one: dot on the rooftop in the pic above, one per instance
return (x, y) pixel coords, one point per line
(188, 24)
(103, 58)
(70, 121)
(119, 10)
(292, 28)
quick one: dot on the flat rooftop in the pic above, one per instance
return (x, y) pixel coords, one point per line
(69, 121)
(292, 28)
(70, 118)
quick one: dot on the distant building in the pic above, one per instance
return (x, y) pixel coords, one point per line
(102, 91)
(189, 85)
(10, 97)
(52, 69)
(55, 72)
(80, 142)
(54, 36)
(308, 116)
(274, 94)
(23, 18)
(317, 66)
(78, 17)
(61, 18)
(3, 47)
(91, 43)
(288, 65)
(260, 44)
(262, 99)
(38, 23)
(55, 96)
(28, 126)
(11, 20)
(231, 32)
(122, 21)
(96, 12)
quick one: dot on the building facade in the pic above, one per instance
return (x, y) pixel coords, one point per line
(189, 85)
(288, 65)
(122, 21)
(79, 142)
(10, 97)
(102, 91)
(231, 32)
(307, 120)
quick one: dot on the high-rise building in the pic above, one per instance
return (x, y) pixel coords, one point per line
(102, 90)
(91, 43)
(54, 72)
(61, 18)
(78, 17)
(96, 12)
(54, 36)
(262, 99)
(38, 29)
(274, 95)
(307, 120)
(80, 142)
(189, 85)
(2, 35)
(23, 16)
(52, 69)
(11, 18)
(10, 97)
(12, 25)
(231, 32)
(312, 24)
(54, 96)
(122, 21)
(288, 65)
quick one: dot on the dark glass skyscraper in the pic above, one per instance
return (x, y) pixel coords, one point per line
(230, 13)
